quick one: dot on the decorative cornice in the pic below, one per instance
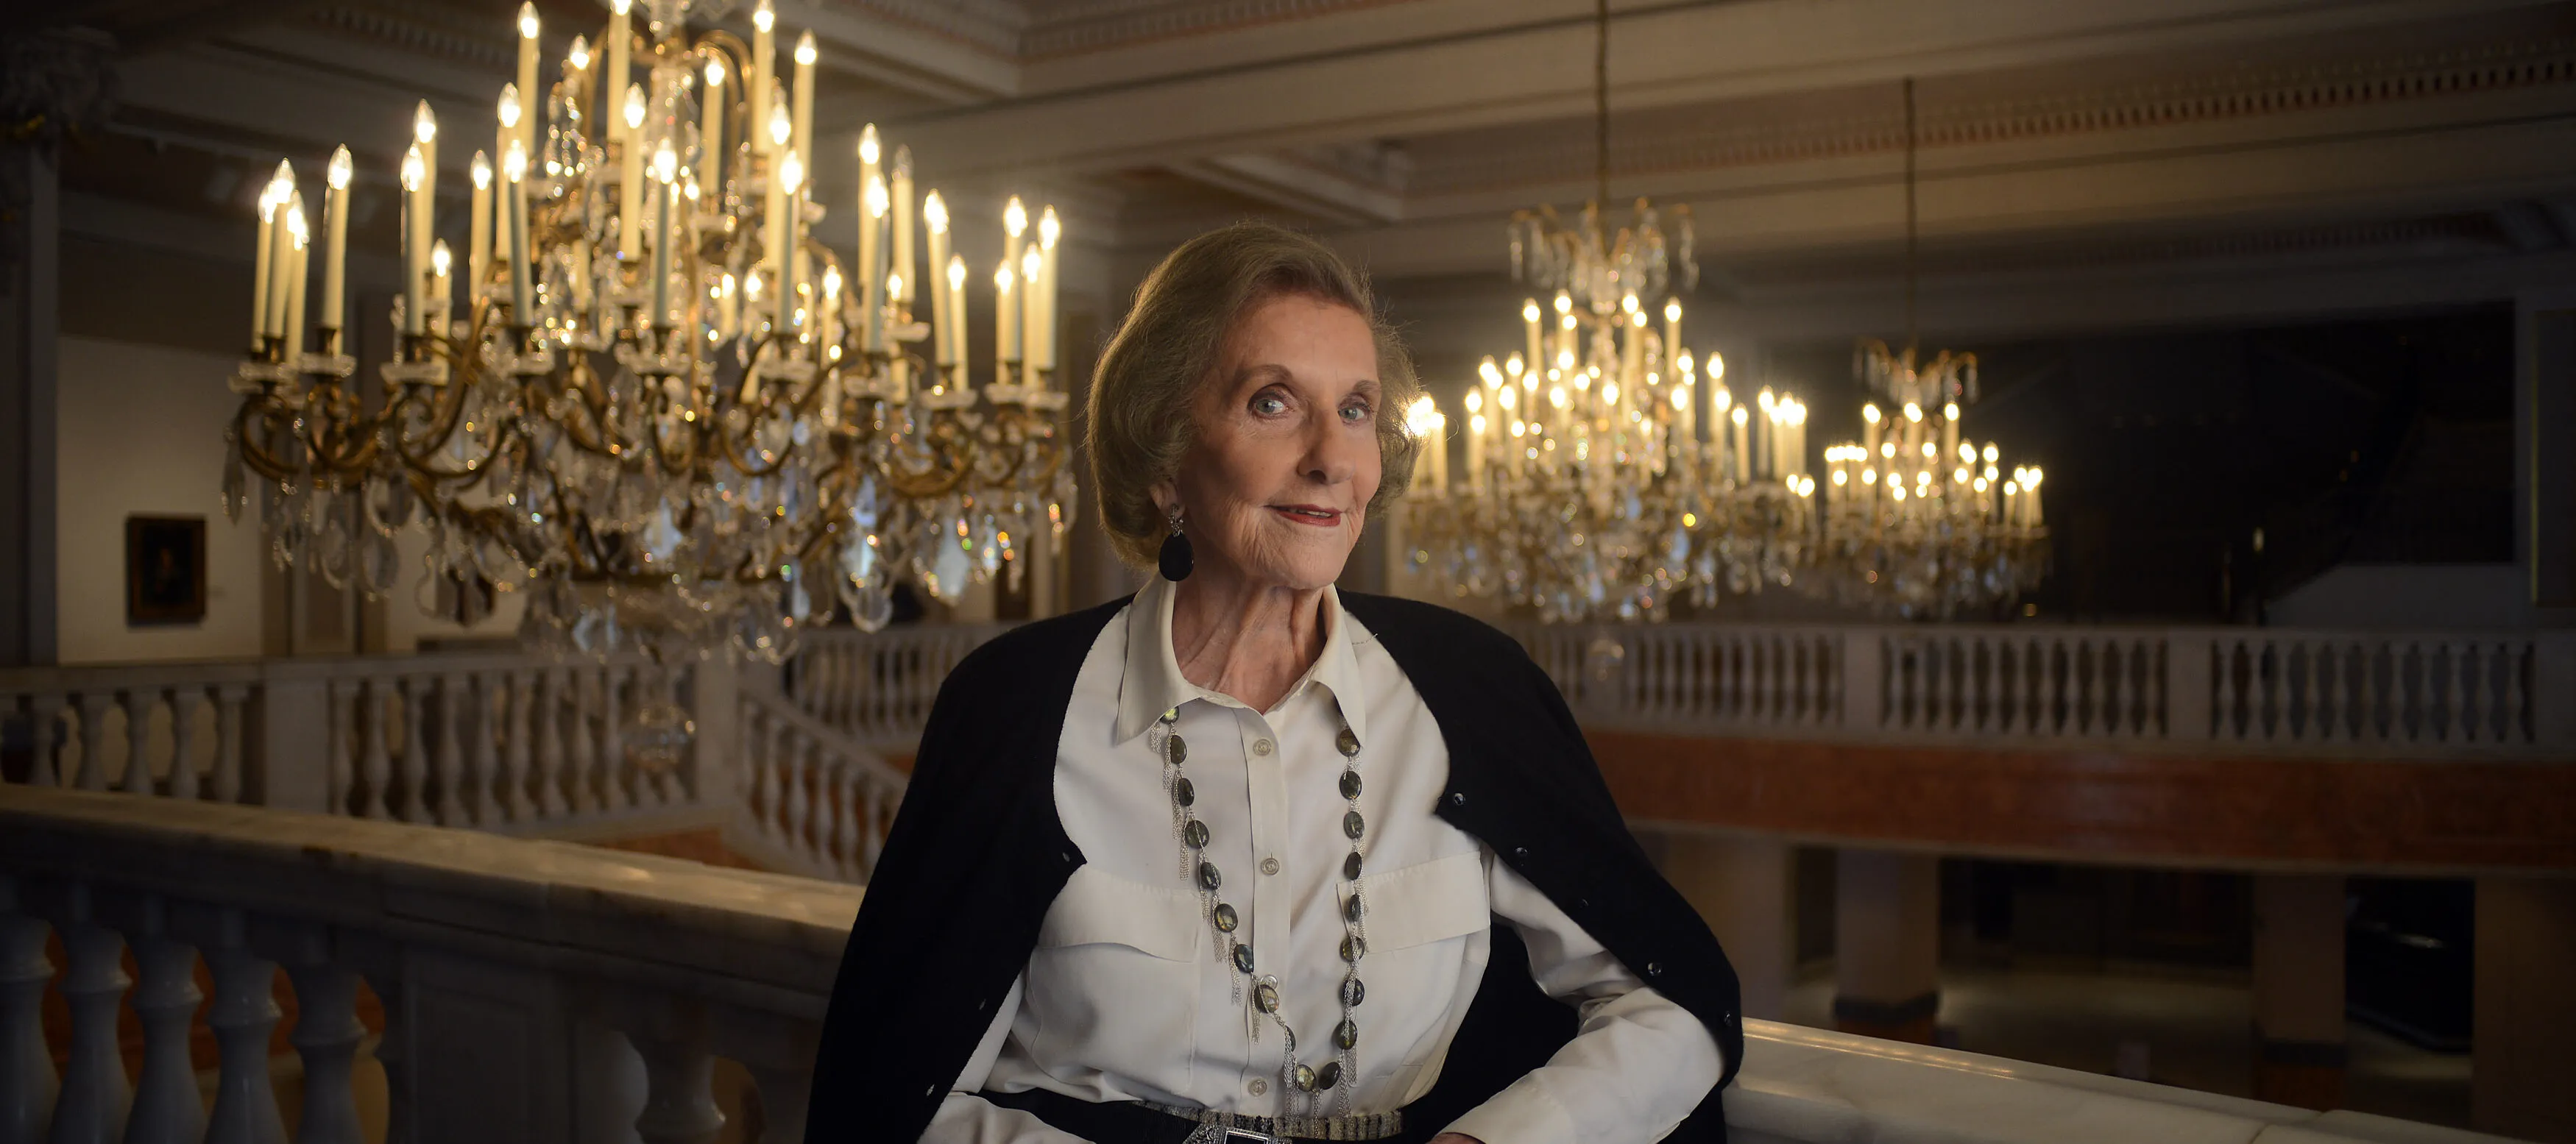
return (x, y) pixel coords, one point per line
(1703, 138)
(427, 29)
(2432, 235)
(1093, 25)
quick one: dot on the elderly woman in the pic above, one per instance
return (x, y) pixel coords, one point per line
(1242, 858)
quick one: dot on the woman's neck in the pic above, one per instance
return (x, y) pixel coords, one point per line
(1249, 641)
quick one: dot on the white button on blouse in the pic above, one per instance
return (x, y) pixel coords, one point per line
(1128, 997)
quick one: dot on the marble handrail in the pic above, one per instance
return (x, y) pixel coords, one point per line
(546, 991)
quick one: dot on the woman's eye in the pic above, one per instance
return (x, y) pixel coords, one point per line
(1355, 413)
(1269, 405)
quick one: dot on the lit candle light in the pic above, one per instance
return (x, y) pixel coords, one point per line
(1672, 329)
(666, 180)
(804, 138)
(1043, 292)
(424, 130)
(478, 234)
(272, 200)
(515, 195)
(415, 255)
(952, 337)
(791, 178)
(764, 62)
(1015, 229)
(899, 283)
(630, 173)
(299, 242)
(506, 114)
(442, 285)
(1032, 269)
(934, 221)
(618, 72)
(1006, 322)
(875, 203)
(335, 256)
(711, 149)
(528, 27)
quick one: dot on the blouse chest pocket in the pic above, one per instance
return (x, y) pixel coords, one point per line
(1099, 908)
(1426, 902)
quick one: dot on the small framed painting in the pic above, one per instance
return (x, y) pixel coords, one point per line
(165, 570)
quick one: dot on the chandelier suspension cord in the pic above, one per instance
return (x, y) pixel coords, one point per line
(1909, 219)
(1601, 102)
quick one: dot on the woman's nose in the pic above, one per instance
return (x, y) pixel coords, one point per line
(1333, 452)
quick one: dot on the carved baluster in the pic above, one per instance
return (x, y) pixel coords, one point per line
(847, 805)
(340, 748)
(92, 730)
(2403, 720)
(167, 1105)
(441, 712)
(45, 710)
(520, 695)
(783, 1096)
(327, 1034)
(2325, 686)
(585, 762)
(183, 733)
(2223, 703)
(548, 695)
(487, 780)
(242, 1016)
(375, 767)
(29, 1089)
(614, 773)
(2517, 718)
(875, 793)
(383, 965)
(2462, 700)
(801, 815)
(94, 1100)
(228, 744)
(138, 706)
(679, 1073)
(412, 765)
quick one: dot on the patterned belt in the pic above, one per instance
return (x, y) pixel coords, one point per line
(1234, 1128)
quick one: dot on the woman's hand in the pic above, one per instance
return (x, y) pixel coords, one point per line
(1455, 1138)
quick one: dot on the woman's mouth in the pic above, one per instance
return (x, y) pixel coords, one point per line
(1312, 516)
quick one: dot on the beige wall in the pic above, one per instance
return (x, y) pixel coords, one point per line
(141, 432)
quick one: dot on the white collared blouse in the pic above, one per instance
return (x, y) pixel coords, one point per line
(1128, 995)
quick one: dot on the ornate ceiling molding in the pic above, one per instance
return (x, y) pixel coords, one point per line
(429, 29)
(1705, 137)
(1092, 25)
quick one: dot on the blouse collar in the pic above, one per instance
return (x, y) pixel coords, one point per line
(1153, 683)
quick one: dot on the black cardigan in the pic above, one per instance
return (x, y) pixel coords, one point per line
(977, 855)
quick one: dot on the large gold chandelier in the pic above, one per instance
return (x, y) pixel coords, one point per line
(1590, 493)
(1917, 521)
(646, 394)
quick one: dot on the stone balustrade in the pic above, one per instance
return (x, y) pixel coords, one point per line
(814, 801)
(535, 990)
(2237, 690)
(878, 686)
(500, 741)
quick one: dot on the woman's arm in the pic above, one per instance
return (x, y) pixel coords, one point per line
(966, 1118)
(1639, 1064)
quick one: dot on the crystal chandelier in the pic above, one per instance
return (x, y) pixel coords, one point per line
(1590, 493)
(1917, 521)
(654, 401)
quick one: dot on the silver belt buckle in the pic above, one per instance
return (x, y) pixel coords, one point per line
(1235, 1135)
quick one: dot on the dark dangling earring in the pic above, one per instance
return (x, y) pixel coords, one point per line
(1175, 557)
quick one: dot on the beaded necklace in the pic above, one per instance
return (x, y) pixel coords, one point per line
(1294, 1074)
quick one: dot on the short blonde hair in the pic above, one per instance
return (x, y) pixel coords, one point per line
(1140, 411)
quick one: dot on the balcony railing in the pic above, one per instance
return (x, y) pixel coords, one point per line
(536, 990)
(2236, 690)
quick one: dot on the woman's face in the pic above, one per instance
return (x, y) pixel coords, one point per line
(1285, 457)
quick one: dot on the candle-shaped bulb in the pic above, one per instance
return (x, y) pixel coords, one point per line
(1740, 417)
(339, 170)
(903, 162)
(831, 281)
(666, 163)
(619, 7)
(750, 287)
(791, 172)
(1032, 261)
(579, 54)
(724, 288)
(282, 182)
(878, 200)
(439, 259)
(634, 106)
(956, 272)
(1716, 366)
(509, 105)
(1681, 398)
(1564, 302)
(780, 126)
(764, 17)
(1422, 416)
(1628, 303)
(1003, 280)
(1015, 217)
(514, 166)
(269, 201)
(296, 227)
(805, 48)
(412, 169)
(424, 126)
(869, 149)
(1869, 413)
(1049, 229)
(894, 285)
(1672, 309)
(481, 170)
(1529, 310)
(2035, 479)
(934, 213)
(1991, 455)
(715, 73)
(528, 21)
